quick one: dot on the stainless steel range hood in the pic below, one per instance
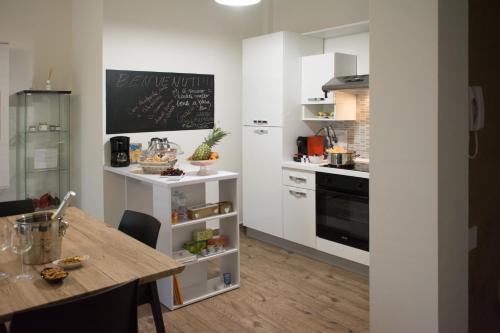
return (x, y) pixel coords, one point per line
(353, 82)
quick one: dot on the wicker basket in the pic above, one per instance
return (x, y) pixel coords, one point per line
(156, 167)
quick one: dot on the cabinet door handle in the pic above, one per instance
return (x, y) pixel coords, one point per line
(297, 179)
(263, 122)
(256, 121)
(298, 194)
(315, 99)
(261, 131)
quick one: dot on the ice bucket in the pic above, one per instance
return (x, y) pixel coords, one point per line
(47, 237)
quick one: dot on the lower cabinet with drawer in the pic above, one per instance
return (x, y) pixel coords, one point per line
(299, 209)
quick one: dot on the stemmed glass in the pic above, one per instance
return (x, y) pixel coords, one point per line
(21, 242)
(4, 243)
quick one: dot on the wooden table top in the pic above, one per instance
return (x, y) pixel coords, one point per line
(115, 258)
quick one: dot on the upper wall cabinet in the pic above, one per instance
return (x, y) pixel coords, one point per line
(271, 75)
(319, 69)
(351, 39)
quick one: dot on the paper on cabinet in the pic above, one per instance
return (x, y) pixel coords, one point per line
(46, 158)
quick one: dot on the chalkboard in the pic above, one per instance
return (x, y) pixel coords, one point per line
(153, 101)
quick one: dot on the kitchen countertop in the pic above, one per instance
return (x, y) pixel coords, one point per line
(318, 168)
(190, 178)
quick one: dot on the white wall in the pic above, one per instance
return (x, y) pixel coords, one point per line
(358, 44)
(39, 34)
(198, 37)
(418, 166)
(86, 119)
(310, 15)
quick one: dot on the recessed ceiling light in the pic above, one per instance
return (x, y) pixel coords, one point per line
(237, 3)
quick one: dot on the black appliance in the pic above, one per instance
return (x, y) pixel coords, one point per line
(362, 167)
(342, 213)
(302, 145)
(120, 151)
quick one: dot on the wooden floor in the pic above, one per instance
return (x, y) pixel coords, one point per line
(280, 292)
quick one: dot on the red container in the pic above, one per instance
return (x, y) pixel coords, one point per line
(315, 145)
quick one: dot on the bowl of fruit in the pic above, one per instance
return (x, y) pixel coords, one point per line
(203, 155)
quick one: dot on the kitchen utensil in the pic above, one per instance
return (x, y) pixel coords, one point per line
(302, 145)
(342, 159)
(156, 168)
(120, 151)
(71, 264)
(203, 166)
(47, 234)
(21, 242)
(53, 275)
(315, 145)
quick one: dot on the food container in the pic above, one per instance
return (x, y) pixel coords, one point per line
(43, 127)
(160, 156)
(47, 237)
(135, 152)
(342, 159)
(225, 207)
(203, 234)
(202, 211)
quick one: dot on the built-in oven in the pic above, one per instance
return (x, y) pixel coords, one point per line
(342, 213)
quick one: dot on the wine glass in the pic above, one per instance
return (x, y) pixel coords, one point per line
(21, 242)
(4, 243)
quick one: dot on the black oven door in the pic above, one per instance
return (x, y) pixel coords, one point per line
(342, 218)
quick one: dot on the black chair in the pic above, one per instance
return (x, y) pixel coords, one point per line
(145, 229)
(17, 207)
(111, 310)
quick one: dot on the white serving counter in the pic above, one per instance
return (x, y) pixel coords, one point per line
(126, 189)
(319, 168)
(190, 178)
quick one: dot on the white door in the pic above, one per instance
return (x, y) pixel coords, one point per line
(262, 151)
(262, 80)
(299, 215)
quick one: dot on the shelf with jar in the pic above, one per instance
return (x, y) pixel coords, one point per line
(42, 146)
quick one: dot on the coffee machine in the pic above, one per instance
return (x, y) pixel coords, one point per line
(120, 151)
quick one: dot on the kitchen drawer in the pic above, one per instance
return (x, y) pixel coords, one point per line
(302, 179)
(299, 215)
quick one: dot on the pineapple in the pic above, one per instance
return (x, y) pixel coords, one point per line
(203, 151)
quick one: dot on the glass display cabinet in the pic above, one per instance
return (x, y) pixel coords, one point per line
(43, 146)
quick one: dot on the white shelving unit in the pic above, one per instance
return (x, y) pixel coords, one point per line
(150, 194)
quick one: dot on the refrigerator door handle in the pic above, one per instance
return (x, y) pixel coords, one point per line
(261, 131)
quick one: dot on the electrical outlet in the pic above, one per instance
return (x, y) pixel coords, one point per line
(472, 238)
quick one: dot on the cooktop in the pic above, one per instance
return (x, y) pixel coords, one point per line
(362, 167)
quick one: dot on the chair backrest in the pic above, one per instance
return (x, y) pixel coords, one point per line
(142, 227)
(111, 310)
(16, 207)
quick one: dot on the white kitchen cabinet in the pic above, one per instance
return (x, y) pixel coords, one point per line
(300, 179)
(262, 149)
(299, 211)
(262, 80)
(318, 70)
(271, 116)
(271, 75)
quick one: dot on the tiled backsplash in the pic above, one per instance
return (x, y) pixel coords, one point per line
(358, 132)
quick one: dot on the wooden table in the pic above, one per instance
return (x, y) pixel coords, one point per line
(115, 258)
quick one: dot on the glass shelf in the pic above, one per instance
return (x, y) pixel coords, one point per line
(42, 156)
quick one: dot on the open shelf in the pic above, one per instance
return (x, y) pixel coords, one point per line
(205, 219)
(203, 290)
(211, 257)
(318, 119)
